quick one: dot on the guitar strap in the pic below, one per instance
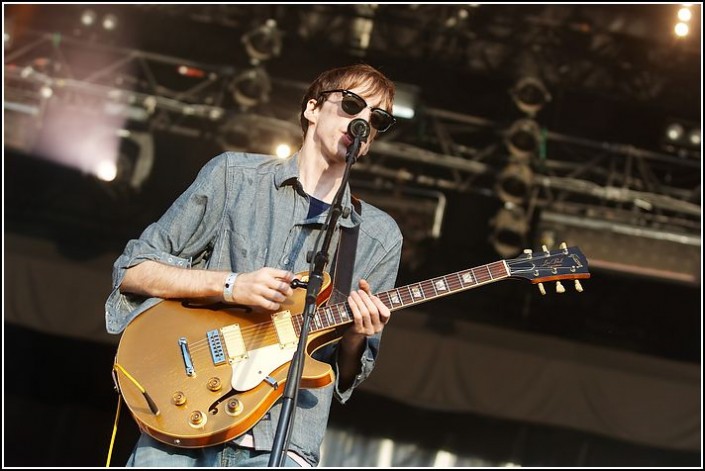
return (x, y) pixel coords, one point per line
(345, 259)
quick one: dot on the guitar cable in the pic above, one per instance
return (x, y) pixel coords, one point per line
(152, 405)
(112, 437)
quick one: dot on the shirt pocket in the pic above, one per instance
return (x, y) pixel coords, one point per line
(239, 251)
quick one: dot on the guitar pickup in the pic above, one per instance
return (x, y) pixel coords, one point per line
(285, 329)
(216, 347)
(234, 342)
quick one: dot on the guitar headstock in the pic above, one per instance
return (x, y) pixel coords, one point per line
(566, 263)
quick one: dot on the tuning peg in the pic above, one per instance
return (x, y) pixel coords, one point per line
(563, 246)
(578, 286)
(559, 287)
(528, 252)
(545, 249)
(542, 289)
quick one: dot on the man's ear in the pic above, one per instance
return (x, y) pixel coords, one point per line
(311, 111)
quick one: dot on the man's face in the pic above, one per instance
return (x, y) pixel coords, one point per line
(331, 124)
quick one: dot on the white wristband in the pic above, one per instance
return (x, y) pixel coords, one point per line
(228, 288)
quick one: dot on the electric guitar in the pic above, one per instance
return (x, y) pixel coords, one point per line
(195, 376)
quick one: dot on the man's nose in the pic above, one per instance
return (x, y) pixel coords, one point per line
(365, 114)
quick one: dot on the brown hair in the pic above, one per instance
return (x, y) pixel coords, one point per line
(374, 81)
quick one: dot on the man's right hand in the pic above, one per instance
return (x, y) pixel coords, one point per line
(265, 288)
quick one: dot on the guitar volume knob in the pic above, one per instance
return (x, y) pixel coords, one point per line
(197, 419)
(233, 406)
(214, 384)
(179, 398)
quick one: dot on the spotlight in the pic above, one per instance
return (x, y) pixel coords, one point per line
(513, 182)
(530, 95)
(681, 137)
(674, 132)
(130, 162)
(510, 230)
(694, 138)
(523, 138)
(264, 42)
(88, 18)
(110, 22)
(251, 87)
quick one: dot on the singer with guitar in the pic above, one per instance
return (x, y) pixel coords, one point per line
(236, 243)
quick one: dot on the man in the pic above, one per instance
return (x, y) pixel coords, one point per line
(255, 218)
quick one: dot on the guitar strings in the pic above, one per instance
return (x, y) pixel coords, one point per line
(265, 333)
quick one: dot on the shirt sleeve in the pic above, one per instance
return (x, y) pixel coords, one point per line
(174, 239)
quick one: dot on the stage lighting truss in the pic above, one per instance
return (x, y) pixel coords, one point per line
(453, 151)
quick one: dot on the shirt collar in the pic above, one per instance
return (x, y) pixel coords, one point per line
(287, 173)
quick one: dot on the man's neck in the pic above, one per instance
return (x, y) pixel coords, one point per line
(318, 178)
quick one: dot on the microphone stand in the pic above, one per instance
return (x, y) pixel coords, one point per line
(359, 129)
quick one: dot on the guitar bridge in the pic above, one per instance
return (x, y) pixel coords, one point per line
(186, 355)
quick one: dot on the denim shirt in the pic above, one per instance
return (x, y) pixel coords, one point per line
(250, 211)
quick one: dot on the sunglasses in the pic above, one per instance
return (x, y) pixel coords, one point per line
(353, 104)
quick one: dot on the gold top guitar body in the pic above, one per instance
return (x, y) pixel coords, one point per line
(212, 373)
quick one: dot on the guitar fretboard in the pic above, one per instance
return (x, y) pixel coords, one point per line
(338, 314)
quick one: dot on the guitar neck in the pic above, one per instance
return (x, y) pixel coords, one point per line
(416, 293)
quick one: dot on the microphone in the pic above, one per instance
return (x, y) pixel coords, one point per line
(359, 128)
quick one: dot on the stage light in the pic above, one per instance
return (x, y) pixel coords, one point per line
(681, 137)
(110, 22)
(251, 87)
(264, 42)
(674, 132)
(523, 138)
(694, 137)
(283, 151)
(514, 182)
(88, 18)
(684, 14)
(681, 30)
(530, 95)
(128, 160)
(509, 236)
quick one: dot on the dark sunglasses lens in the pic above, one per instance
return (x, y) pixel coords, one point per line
(353, 104)
(380, 120)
